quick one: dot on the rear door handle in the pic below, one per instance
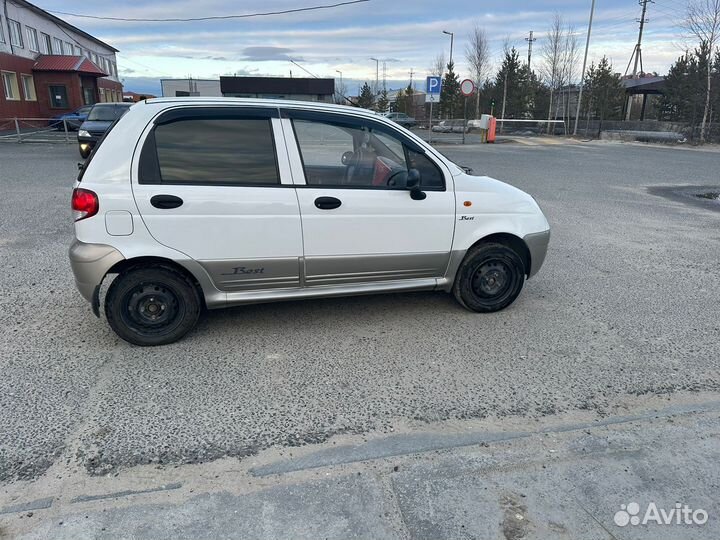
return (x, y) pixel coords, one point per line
(327, 203)
(166, 202)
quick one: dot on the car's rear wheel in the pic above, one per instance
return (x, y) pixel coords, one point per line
(152, 305)
(490, 278)
(84, 153)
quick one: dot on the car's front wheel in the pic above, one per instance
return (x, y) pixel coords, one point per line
(152, 305)
(490, 278)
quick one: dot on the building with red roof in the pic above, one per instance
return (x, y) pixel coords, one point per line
(50, 67)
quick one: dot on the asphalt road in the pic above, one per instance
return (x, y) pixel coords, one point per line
(627, 304)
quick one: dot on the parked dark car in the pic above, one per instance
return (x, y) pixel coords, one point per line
(73, 120)
(100, 118)
(401, 118)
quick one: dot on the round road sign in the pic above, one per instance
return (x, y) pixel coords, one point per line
(467, 87)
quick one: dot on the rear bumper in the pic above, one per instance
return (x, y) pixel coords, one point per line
(537, 244)
(90, 263)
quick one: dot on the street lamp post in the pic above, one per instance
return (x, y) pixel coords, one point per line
(452, 38)
(377, 74)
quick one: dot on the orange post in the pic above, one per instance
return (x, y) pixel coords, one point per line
(491, 130)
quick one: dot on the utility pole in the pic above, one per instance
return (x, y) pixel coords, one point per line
(384, 76)
(637, 53)
(582, 75)
(412, 72)
(530, 42)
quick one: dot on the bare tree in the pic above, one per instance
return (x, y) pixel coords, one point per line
(477, 53)
(560, 54)
(570, 57)
(703, 22)
(437, 68)
(552, 61)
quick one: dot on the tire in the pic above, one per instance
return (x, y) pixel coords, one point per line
(489, 279)
(84, 153)
(152, 305)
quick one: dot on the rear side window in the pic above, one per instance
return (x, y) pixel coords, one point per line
(221, 151)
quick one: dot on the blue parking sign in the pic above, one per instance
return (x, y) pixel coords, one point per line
(433, 85)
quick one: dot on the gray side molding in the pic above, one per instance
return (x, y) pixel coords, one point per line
(90, 263)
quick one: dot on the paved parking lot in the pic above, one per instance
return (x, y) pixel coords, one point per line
(626, 308)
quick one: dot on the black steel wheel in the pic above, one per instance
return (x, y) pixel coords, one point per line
(490, 278)
(152, 305)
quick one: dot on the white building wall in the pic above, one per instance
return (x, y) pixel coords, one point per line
(28, 18)
(196, 87)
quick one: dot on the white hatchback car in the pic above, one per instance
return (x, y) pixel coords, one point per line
(205, 203)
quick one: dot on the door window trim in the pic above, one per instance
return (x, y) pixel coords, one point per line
(356, 122)
(149, 164)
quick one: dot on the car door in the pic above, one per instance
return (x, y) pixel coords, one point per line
(356, 227)
(211, 185)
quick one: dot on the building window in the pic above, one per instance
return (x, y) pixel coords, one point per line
(58, 97)
(2, 31)
(10, 84)
(32, 36)
(28, 84)
(15, 34)
(78, 51)
(57, 46)
(68, 48)
(46, 43)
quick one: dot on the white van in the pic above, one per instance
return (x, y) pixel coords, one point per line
(205, 203)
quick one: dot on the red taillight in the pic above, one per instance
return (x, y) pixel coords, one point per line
(85, 203)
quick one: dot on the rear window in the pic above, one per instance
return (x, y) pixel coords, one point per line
(83, 166)
(106, 113)
(224, 151)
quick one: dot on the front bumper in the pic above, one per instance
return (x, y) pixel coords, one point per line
(537, 244)
(90, 263)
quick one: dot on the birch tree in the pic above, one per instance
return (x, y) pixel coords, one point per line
(703, 23)
(477, 53)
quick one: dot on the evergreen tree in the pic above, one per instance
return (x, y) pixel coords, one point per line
(405, 101)
(450, 93)
(366, 99)
(383, 102)
(514, 82)
(604, 92)
(686, 87)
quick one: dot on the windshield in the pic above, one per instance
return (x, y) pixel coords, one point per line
(106, 113)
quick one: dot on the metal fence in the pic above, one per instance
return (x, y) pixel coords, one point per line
(461, 131)
(47, 130)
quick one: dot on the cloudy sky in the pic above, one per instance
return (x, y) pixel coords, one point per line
(407, 34)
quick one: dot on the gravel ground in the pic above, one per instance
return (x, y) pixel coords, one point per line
(627, 303)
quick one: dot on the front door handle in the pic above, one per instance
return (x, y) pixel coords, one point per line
(166, 202)
(327, 203)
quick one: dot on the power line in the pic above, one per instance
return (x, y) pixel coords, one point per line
(215, 17)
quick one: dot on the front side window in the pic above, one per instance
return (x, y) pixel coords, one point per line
(15, 34)
(32, 36)
(10, 85)
(28, 85)
(220, 151)
(355, 155)
(58, 96)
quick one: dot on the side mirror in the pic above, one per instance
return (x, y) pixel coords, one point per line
(413, 184)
